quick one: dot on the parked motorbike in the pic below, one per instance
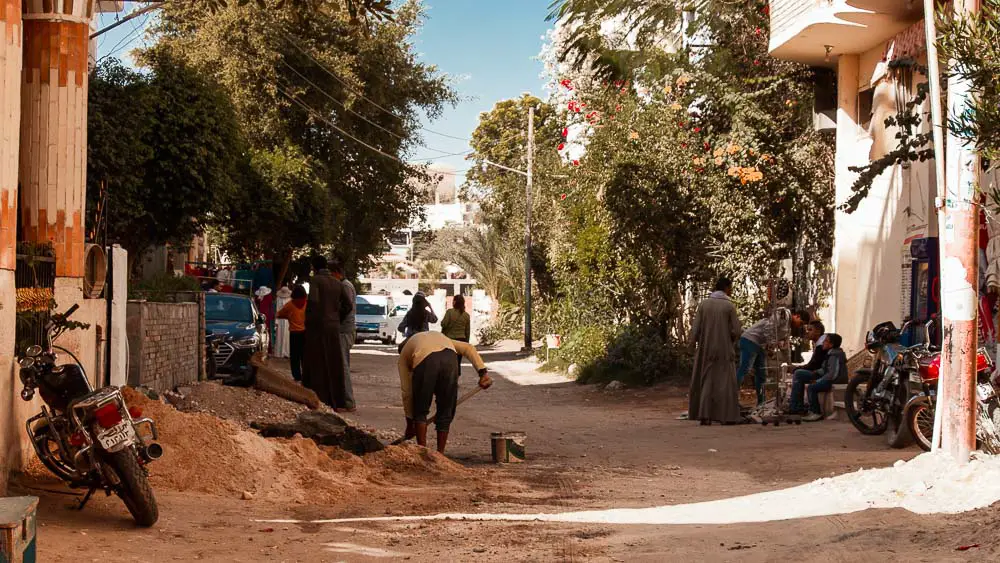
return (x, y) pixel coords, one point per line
(89, 439)
(919, 411)
(875, 398)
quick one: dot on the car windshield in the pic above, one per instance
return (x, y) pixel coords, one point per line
(228, 308)
(370, 309)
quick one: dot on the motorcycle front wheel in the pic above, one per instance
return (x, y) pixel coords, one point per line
(133, 487)
(920, 421)
(862, 414)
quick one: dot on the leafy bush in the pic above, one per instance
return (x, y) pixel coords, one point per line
(586, 346)
(630, 354)
(162, 287)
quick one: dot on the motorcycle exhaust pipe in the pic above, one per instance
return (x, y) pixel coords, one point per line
(152, 452)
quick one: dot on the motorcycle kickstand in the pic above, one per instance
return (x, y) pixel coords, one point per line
(86, 498)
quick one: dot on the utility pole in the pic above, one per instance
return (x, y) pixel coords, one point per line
(527, 231)
(959, 275)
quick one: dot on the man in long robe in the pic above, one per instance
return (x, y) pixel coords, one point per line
(328, 303)
(714, 394)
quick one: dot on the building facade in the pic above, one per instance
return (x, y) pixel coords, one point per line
(44, 64)
(886, 252)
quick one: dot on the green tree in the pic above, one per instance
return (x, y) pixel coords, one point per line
(497, 267)
(163, 148)
(348, 103)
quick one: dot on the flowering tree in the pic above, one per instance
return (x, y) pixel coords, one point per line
(690, 154)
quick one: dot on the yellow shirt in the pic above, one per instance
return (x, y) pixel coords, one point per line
(417, 348)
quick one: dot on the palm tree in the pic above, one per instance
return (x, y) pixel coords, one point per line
(497, 266)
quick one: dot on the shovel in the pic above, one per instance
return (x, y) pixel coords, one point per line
(461, 400)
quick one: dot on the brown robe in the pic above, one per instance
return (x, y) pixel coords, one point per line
(714, 394)
(324, 365)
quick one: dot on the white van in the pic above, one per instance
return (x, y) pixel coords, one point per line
(376, 318)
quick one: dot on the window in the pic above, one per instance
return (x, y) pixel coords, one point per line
(866, 100)
(370, 309)
(228, 308)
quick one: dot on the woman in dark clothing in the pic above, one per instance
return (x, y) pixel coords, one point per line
(418, 318)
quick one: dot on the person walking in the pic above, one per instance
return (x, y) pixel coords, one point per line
(326, 305)
(714, 394)
(348, 333)
(457, 324)
(294, 313)
(418, 318)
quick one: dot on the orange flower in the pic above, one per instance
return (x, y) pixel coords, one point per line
(733, 171)
(676, 107)
(633, 136)
(719, 160)
(719, 152)
(733, 149)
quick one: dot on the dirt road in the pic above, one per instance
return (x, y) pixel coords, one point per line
(587, 449)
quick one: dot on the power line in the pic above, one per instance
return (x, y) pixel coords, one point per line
(361, 94)
(128, 39)
(333, 125)
(343, 105)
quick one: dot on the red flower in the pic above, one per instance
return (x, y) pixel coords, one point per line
(758, 31)
(707, 146)
(756, 62)
(561, 146)
(700, 170)
(684, 145)
(562, 197)
(681, 124)
(576, 163)
(566, 132)
(566, 83)
(697, 129)
(575, 106)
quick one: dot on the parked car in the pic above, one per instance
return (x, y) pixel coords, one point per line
(376, 318)
(239, 328)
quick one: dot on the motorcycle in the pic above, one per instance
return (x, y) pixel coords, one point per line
(919, 411)
(212, 343)
(89, 439)
(882, 392)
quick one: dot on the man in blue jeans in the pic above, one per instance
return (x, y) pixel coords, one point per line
(810, 371)
(834, 368)
(754, 342)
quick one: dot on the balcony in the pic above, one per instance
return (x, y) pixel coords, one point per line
(800, 29)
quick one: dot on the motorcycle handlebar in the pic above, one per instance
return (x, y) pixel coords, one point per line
(70, 311)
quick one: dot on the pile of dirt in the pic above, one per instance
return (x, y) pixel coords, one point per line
(203, 453)
(245, 406)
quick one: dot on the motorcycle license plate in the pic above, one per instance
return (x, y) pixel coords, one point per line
(113, 437)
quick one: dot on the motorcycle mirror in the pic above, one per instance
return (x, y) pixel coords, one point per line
(27, 394)
(33, 351)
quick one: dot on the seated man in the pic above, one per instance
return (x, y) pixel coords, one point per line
(834, 368)
(810, 371)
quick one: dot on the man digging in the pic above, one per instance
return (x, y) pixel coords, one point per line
(427, 370)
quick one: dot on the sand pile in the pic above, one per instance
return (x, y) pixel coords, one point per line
(206, 454)
(245, 406)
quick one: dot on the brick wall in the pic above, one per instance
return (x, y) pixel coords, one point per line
(165, 342)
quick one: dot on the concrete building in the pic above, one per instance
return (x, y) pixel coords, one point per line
(885, 255)
(44, 64)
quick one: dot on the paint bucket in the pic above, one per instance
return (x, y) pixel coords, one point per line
(508, 447)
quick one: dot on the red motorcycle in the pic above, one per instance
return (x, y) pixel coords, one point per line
(919, 411)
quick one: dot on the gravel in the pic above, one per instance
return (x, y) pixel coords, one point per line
(241, 405)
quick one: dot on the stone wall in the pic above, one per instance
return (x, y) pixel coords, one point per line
(164, 344)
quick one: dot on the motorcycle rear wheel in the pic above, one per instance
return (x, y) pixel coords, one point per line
(854, 396)
(133, 487)
(920, 420)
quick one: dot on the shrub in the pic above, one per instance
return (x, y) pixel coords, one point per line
(631, 355)
(161, 288)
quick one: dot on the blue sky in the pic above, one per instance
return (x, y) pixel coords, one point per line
(489, 47)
